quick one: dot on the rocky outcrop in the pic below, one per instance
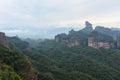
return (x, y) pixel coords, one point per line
(72, 41)
(3, 40)
(88, 27)
(74, 38)
(98, 40)
(100, 37)
(96, 44)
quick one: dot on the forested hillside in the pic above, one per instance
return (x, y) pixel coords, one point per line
(67, 57)
(55, 61)
(15, 66)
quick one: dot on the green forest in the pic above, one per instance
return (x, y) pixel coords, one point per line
(51, 60)
(54, 61)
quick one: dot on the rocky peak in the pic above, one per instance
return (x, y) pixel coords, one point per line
(88, 27)
(3, 40)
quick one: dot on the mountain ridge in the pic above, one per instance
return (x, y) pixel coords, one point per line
(81, 37)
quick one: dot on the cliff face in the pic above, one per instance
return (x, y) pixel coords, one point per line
(97, 44)
(74, 38)
(73, 41)
(98, 40)
(3, 40)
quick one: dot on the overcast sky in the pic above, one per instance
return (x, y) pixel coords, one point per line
(17, 14)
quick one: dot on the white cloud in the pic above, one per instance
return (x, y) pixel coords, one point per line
(15, 31)
(59, 12)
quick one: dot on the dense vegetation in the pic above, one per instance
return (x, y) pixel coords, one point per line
(101, 37)
(101, 64)
(54, 61)
(14, 66)
(51, 60)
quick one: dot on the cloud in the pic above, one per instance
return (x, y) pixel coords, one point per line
(48, 13)
(14, 31)
(11, 31)
(45, 12)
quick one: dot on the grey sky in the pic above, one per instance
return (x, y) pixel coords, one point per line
(47, 13)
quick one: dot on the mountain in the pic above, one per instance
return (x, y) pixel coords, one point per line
(15, 66)
(33, 42)
(74, 56)
(104, 30)
(98, 40)
(116, 29)
(74, 38)
(45, 67)
(15, 43)
(3, 40)
(98, 63)
(88, 27)
(100, 37)
(36, 32)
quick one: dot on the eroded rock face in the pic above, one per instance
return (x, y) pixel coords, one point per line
(3, 40)
(70, 41)
(74, 41)
(98, 44)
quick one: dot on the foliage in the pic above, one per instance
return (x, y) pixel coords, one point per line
(55, 61)
(15, 65)
(100, 64)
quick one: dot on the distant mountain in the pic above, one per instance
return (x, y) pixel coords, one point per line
(88, 27)
(15, 43)
(36, 32)
(104, 30)
(33, 42)
(85, 54)
(101, 37)
(116, 29)
(107, 31)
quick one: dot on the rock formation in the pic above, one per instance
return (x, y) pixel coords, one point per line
(74, 38)
(100, 37)
(95, 44)
(63, 39)
(74, 41)
(88, 27)
(3, 40)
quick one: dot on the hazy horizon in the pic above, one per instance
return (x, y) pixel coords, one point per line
(27, 18)
(41, 32)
